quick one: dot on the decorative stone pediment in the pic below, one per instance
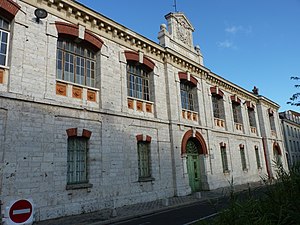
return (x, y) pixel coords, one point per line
(180, 28)
(178, 36)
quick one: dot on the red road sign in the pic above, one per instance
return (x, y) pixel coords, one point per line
(20, 211)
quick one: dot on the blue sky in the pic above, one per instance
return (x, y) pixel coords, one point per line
(248, 42)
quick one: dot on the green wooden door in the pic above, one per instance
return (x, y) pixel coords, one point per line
(193, 166)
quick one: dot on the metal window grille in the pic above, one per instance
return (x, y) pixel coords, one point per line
(144, 159)
(243, 158)
(224, 159)
(257, 158)
(75, 63)
(77, 160)
(138, 82)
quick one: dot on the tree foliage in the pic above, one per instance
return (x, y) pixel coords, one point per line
(294, 100)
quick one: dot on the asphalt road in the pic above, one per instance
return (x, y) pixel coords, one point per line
(180, 216)
(188, 214)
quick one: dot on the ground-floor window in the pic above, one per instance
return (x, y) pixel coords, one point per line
(243, 158)
(77, 160)
(224, 159)
(144, 159)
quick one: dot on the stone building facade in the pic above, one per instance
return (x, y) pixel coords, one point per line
(290, 121)
(94, 115)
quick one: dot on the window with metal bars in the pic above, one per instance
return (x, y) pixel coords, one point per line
(187, 96)
(4, 41)
(138, 81)
(77, 160)
(75, 63)
(243, 158)
(224, 159)
(257, 158)
(218, 106)
(144, 159)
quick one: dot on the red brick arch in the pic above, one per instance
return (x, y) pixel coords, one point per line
(9, 8)
(216, 90)
(72, 30)
(198, 136)
(184, 76)
(134, 56)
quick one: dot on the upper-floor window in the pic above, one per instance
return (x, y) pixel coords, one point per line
(251, 115)
(138, 81)
(187, 96)
(218, 106)
(272, 120)
(75, 62)
(237, 113)
(4, 40)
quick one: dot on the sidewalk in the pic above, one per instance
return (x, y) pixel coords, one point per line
(109, 216)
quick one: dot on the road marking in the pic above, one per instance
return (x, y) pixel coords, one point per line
(21, 211)
(203, 218)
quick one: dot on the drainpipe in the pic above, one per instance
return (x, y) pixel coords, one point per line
(265, 154)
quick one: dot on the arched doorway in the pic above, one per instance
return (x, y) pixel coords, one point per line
(193, 148)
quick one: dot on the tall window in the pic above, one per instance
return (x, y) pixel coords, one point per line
(272, 122)
(243, 158)
(218, 106)
(224, 159)
(237, 114)
(4, 41)
(77, 160)
(257, 158)
(138, 81)
(75, 63)
(251, 115)
(144, 159)
(187, 96)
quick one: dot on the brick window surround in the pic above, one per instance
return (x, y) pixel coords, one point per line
(9, 8)
(142, 137)
(216, 90)
(72, 31)
(72, 132)
(189, 134)
(186, 77)
(134, 56)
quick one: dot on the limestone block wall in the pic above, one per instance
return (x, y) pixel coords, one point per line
(34, 159)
